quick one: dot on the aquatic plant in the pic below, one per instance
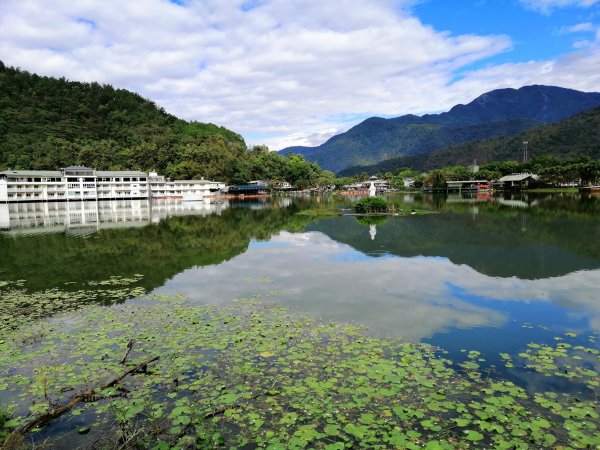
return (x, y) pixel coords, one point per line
(255, 375)
(19, 306)
(320, 212)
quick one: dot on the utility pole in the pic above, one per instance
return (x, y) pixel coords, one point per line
(525, 151)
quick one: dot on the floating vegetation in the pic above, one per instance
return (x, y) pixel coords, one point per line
(19, 307)
(253, 375)
(320, 212)
(576, 363)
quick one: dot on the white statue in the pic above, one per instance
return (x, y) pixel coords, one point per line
(372, 189)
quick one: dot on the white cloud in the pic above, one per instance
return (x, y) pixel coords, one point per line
(578, 28)
(290, 71)
(280, 68)
(578, 70)
(547, 6)
(299, 138)
(582, 44)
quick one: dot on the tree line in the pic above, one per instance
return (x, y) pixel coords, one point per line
(579, 170)
(49, 123)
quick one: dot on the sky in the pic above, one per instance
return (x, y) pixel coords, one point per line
(296, 72)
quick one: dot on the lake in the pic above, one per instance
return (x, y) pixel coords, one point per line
(485, 274)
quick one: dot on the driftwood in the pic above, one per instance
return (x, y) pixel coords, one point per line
(129, 347)
(47, 417)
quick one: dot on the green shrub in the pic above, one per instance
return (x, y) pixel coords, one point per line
(370, 204)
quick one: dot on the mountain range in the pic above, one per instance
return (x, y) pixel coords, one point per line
(502, 112)
(574, 137)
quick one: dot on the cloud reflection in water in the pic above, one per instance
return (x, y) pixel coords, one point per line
(412, 297)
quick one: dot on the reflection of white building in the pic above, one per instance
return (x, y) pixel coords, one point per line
(99, 214)
(84, 183)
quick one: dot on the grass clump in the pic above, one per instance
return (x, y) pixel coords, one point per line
(320, 212)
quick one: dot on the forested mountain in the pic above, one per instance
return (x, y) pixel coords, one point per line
(574, 137)
(501, 112)
(49, 123)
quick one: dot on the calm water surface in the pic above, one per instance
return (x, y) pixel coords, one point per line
(489, 274)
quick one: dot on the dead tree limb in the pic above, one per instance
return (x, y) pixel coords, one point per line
(47, 417)
(129, 347)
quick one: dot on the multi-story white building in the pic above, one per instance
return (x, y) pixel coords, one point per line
(84, 183)
(160, 187)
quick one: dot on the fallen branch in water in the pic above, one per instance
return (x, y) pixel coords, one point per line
(129, 347)
(49, 416)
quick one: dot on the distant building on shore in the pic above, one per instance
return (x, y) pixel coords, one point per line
(84, 183)
(517, 181)
(363, 186)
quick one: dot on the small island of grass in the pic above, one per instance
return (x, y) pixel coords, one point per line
(378, 206)
(320, 212)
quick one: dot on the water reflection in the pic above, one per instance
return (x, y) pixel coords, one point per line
(470, 276)
(157, 239)
(412, 297)
(491, 238)
(80, 216)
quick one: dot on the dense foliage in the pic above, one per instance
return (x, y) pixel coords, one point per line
(370, 205)
(502, 112)
(551, 172)
(576, 137)
(49, 123)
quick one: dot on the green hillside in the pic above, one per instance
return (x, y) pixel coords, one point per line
(49, 123)
(572, 138)
(502, 112)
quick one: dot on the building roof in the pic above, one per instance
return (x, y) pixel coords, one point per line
(120, 173)
(465, 181)
(32, 173)
(518, 177)
(194, 182)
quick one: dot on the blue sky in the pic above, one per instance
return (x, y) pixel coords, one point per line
(535, 34)
(284, 72)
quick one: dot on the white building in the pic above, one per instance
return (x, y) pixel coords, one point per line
(408, 182)
(160, 187)
(380, 185)
(84, 183)
(518, 180)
